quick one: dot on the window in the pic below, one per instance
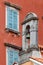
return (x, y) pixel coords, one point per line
(12, 18)
(11, 56)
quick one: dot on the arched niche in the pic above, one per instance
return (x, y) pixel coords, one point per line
(27, 35)
(27, 32)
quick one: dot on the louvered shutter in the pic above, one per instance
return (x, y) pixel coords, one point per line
(9, 18)
(12, 56)
(16, 56)
(14, 20)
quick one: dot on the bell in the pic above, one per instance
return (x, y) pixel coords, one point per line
(28, 36)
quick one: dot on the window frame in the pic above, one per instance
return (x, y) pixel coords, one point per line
(7, 53)
(7, 21)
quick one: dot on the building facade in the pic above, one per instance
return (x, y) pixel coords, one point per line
(12, 15)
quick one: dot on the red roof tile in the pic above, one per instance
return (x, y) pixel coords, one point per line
(40, 46)
(37, 59)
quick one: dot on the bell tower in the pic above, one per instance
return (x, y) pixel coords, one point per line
(30, 32)
(30, 38)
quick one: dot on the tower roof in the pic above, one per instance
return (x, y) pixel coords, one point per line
(30, 16)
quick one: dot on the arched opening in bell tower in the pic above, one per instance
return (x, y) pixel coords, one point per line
(28, 34)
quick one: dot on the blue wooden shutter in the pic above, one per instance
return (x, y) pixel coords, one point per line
(14, 20)
(9, 18)
(12, 56)
(16, 56)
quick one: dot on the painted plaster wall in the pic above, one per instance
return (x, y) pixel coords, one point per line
(35, 6)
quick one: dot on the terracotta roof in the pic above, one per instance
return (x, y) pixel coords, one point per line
(37, 59)
(40, 46)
